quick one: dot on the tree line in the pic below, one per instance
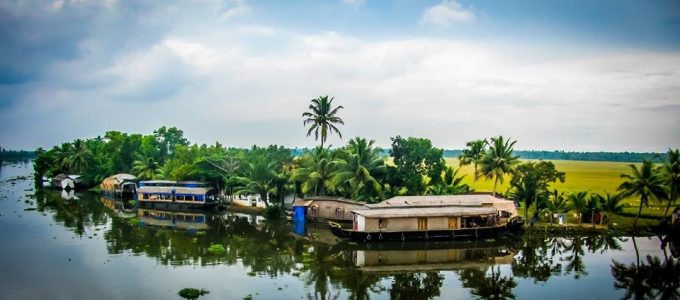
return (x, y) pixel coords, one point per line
(357, 170)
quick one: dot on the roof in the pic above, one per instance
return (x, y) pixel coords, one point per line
(118, 178)
(438, 201)
(309, 201)
(60, 177)
(450, 211)
(157, 181)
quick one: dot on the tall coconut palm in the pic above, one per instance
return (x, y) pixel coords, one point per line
(671, 175)
(498, 160)
(579, 202)
(80, 158)
(473, 155)
(451, 184)
(646, 182)
(612, 204)
(322, 118)
(557, 204)
(315, 171)
(594, 206)
(146, 168)
(360, 160)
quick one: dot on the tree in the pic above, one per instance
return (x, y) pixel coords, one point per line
(450, 184)
(169, 138)
(356, 166)
(558, 204)
(579, 202)
(322, 118)
(671, 175)
(530, 183)
(594, 206)
(492, 286)
(315, 170)
(646, 182)
(473, 155)
(415, 159)
(611, 204)
(80, 158)
(259, 178)
(146, 168)
(498, 160)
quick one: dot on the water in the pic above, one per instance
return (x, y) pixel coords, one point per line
(94, 248)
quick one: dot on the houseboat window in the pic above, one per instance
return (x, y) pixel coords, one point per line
(315, 210)
(339, 212)
(145, 196)
(382, 223)
(453, 223)
(422, 223)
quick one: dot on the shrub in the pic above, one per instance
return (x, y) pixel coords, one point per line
(216, 249)
(192, 293)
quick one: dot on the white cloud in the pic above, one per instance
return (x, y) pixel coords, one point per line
(446, 14)
(233, 8)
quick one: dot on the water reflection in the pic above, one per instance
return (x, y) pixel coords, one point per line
(650, 278)
(486, 269)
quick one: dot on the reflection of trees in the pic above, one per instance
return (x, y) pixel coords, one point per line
(651, 279)
(416, 285)
(574, 258)
(488, 287)
(76, 215)
(534, 260)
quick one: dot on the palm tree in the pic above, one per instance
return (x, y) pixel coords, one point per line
(360, 161)
(322, 117)
(579, 202)
(146, 168)
(645, 182)
(594, 205)
(80, 158)
(259, 178)
(315, 170)
(611, 204)
(557, 205)
(451, 184)
(671, 175)
(498, 160)
(473, 155)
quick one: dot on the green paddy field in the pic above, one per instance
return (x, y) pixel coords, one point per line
(590, 176)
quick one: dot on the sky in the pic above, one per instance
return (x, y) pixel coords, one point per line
(553, 75)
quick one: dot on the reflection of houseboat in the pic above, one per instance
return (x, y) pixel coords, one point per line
(120, 186)
(69, 194)
(120, 208)
(172, 219)
(325, 208)
(66, 182)
(189, 194)
(432, 217)
(446, 258)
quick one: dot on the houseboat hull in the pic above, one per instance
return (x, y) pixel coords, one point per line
(423, 235)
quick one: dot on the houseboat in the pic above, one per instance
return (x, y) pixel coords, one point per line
(248, 201)
(120, 186)
(432, 217)
(66, 182)
(322, 209)
(166, 193)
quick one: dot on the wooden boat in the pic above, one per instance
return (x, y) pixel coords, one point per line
(187, 194)
(428, 223)
(322, 209)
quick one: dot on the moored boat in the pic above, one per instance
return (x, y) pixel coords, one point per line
(119, 186)
(432, 217)
(187, 194)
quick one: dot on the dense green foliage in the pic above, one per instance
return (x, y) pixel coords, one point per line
(415, 160)
(576, 155)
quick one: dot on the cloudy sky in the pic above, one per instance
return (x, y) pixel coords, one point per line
(570, 75)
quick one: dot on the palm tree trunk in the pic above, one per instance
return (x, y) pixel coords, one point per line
(474, 178)
(671, 200)
(495, 183)
(638, 214)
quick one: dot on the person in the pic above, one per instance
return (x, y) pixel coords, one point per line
(561, 219)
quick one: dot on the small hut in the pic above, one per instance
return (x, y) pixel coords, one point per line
(325, 208)
(65, 182)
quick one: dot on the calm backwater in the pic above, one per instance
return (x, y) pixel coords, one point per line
(93, 248)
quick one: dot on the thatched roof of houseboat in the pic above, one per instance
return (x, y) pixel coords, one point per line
(316, 199)
(439, 201)
(119, 178)
(451, 211)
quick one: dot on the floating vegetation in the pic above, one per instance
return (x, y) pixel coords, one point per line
(192, 293)
(248, 297)
(133, 221)
(216, 249)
